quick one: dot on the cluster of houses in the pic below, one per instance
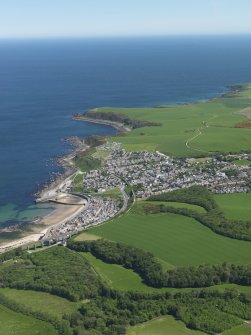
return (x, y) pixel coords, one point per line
(97, 210)
(155, 173)
(149, 174)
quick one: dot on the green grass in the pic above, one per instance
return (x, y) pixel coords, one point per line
(175, 239)
(12, 323)
(216, 118)
(118, 277)
(42, 302)
(242, 162)
(86, 162)
(162, 326)
(114, 193)
(242, 330)
(235, 206)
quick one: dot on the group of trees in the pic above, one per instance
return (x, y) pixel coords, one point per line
(114, 311)
(152, 273)
(56, 270)
(214, 218)
(66, 273)
(110, 116)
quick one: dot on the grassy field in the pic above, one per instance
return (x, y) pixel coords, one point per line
(12, 323)
(242, 330)
(118, 277)
(42, 302)
(169, 326)
(175, 239)
(213, 121)
(235, 206)
(242, 162)
(162, 326)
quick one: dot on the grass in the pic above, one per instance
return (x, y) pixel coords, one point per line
(13, 323)
(235, 206)
(175, 239)
(86, 162)
(42, 302)
(118, 277)
(86, 237)
(114, 193)
(216, 119)
(166, 325)
(241, 330)
(242, 162)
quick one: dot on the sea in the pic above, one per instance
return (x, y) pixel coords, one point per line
(43, 82)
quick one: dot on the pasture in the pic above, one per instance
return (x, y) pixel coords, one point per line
(177, 240)
(190, 130)
(166, 325)
(118, 277)
(41, 302)
(235, 206)
(13, 323)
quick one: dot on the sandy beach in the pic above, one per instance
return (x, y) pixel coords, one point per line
(61, 214)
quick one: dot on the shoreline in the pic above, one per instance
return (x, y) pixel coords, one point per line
(50, 190)
(121, 129)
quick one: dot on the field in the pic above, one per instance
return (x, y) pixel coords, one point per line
(190, 130)
(242, 330)
(42, 302)
(17, 324)
(235, 206)
(169, 326)
(162, 326)
(118, 277)
(175, 239)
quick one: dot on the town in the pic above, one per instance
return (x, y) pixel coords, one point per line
(146, 174)
(154, 173)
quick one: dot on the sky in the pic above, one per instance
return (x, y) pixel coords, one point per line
(98, 18)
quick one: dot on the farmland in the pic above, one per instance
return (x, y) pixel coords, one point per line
(40, 301)
(189, 130)
(235, 206)
(175, 239)
(162, 326)
(17, 324)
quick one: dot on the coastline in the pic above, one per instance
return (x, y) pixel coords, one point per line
(50, 190)
(121, 129)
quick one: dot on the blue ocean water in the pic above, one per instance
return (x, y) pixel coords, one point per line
(43, 82)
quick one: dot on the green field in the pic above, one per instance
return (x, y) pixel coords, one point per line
(169, 326)
(12, 323)
(213, 121)
(162, 326)
(118, 277)
(40, 301)
(242, 162)
(242, 330)
(235, 206)
(175, 239)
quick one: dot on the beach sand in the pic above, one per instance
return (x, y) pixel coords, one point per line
(59, 215)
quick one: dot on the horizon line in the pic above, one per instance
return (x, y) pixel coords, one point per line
(122, 36)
